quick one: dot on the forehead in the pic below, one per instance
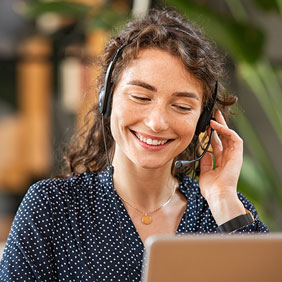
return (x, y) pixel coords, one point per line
(162, 70)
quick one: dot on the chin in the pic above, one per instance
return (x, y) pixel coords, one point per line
(152, 164)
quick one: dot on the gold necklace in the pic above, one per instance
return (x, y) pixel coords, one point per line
(146, 217)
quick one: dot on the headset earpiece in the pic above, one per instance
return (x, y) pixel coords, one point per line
(106, 92)
(204, 120)
(101, 100)
(105, 101)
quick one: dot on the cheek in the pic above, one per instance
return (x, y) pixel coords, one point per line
(123, 111)
(116, 120)
(121, 116)
(186, 130)
(188, 126)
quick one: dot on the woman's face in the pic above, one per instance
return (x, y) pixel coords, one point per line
(156, 106)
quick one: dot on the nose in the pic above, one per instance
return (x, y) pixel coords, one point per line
(157, 119)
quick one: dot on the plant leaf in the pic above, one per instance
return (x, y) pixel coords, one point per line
(64, 8)
(244, 41)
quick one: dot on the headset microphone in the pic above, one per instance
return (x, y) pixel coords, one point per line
(179, 164)
(202, 125)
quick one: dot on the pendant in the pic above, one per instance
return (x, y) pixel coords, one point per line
(146, 219)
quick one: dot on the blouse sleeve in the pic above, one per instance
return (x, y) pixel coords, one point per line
(28, 252)
(257, 225)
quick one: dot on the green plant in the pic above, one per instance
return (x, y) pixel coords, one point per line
(86, 17)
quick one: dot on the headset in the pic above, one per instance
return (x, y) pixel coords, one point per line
(106, 96)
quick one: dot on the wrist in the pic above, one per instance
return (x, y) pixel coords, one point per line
(236, 223)
(225, 209)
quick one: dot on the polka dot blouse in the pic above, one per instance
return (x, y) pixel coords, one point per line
(68, 230)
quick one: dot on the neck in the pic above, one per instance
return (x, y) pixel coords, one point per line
(145, 188)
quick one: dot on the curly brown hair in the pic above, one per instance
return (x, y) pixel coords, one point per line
(169, 31)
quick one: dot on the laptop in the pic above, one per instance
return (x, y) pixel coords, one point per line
(213, 258)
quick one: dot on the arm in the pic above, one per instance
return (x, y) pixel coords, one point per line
(28, 252)
(219, 185)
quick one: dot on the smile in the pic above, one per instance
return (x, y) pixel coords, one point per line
(151, 141)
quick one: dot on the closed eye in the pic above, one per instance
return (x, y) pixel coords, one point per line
(182, 108)
(140, 98)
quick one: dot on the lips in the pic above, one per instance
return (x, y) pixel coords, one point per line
(152, 141)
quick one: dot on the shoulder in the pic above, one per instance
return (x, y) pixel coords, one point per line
(64, 186)
(81, 186)
(57, 196)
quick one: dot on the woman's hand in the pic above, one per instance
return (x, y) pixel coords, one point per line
(219, 185)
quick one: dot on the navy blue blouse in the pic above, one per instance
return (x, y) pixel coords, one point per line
(68, 230)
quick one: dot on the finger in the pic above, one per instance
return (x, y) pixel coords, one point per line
(222, 130)
(225, 132)
(220, 118)
(206, 163)
(229, 138)
(217, 148)
(216, 143)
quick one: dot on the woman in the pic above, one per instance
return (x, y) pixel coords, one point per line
(160, 76)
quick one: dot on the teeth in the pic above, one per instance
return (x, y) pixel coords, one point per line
(149, 141)
(155, 142)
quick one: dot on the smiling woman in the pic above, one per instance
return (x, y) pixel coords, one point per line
(160, 84)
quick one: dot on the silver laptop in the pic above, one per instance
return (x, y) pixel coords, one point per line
(217, 258)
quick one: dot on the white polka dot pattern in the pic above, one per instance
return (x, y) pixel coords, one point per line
(68, 230)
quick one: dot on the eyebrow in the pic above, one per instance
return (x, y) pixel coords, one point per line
(143, 84)
(186, 94)
(152, 88)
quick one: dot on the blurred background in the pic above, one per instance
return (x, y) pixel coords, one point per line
(48, 70)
